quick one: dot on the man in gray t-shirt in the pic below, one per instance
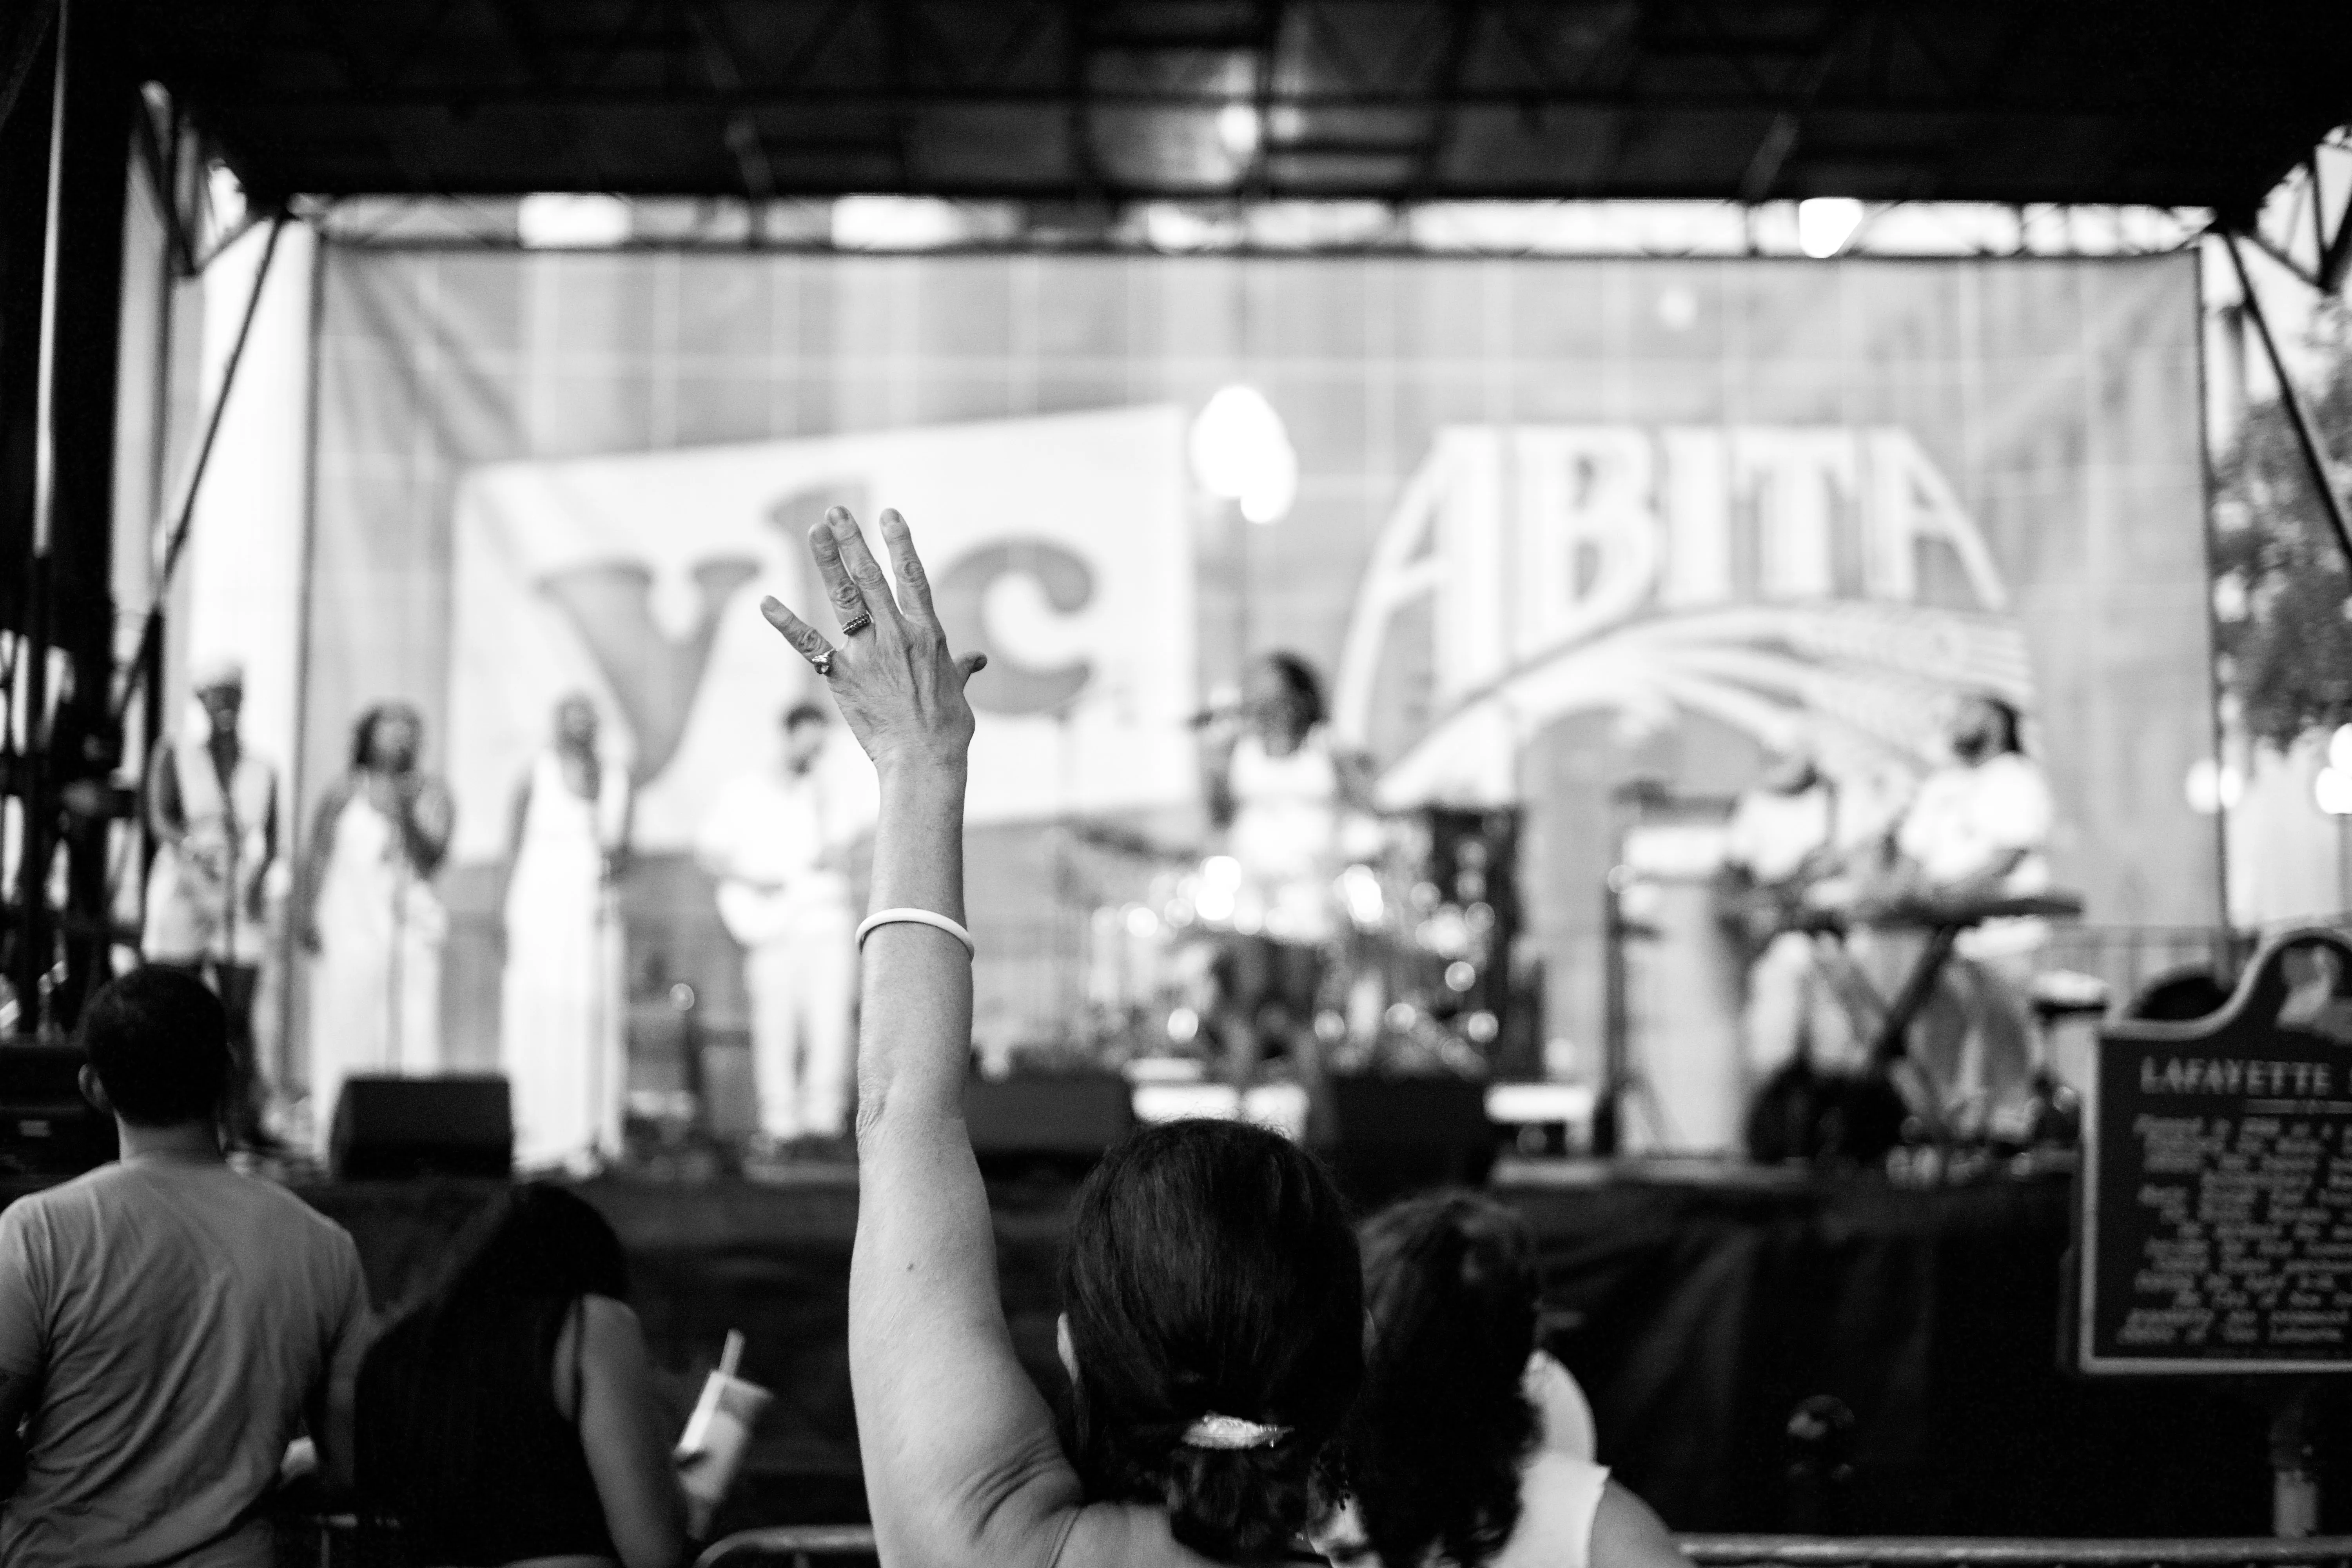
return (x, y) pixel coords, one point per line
(167, 1324)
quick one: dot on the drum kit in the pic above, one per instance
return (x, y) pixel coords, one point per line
(1416, 927)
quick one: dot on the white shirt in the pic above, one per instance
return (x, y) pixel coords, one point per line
(1966, 820)
(772, 828)
(1286, 834)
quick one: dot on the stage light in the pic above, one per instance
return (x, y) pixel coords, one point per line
(2213, 786)
(563, 220)
(1141, 921)
(2331, 791)
(1183, 1025)
(1221, 879)
(1826, 225)
(1273, 487)
(1238, 129)
(1241, 452)
(1460, 975)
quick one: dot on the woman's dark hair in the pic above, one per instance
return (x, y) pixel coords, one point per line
(1211, 1270)
(459, 1371)
(1442, 1425)
(1298, 679)
(363, 728)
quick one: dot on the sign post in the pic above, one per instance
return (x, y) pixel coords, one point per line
(2215, 1209)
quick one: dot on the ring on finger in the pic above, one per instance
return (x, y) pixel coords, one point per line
(856, 624)
(823, 663)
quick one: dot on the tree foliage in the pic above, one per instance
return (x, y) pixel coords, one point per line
(2282, 596)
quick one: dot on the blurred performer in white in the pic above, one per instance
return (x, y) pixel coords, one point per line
(368, 911)
(781, 842)
(559, 1030)
(1977, 829)
(1279, 786)
(212, 810)
(1784, 841)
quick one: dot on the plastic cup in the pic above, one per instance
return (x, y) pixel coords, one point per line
(710, 1451)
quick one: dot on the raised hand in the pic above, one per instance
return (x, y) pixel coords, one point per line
(897, 685)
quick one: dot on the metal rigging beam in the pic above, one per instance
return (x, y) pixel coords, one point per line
(68, 610)
(2307, 435)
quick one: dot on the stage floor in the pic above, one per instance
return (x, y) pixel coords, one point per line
(1701, 1305)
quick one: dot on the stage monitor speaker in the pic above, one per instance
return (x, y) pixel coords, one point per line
(47, 1128)
(1061, 1120)
(396, 1128)
(1401, 1135)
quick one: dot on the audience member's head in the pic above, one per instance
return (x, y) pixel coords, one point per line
(1211, 1272)
(158, 1045)
(532, 1242)
(459, 1366)
(1442, 1427)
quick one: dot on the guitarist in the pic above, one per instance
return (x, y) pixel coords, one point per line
(780, 841)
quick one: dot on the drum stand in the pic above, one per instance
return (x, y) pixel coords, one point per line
(1623, 1081)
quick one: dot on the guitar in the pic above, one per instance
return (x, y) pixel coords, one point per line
(757, 913)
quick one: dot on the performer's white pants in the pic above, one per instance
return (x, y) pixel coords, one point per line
(803, 988)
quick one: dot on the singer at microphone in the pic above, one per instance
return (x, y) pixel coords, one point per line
(1277, 785)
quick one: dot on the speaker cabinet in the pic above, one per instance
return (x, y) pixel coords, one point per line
(395, 1129)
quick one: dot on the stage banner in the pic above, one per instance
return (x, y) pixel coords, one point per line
(636, 579)
(1573, 537)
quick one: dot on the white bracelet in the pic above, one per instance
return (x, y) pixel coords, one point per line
(916, 917)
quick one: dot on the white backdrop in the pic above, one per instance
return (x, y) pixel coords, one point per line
(636, 579)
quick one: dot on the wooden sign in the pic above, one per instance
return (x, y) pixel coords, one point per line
(2215, 1223)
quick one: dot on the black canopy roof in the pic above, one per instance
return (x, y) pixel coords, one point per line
(2162, 102)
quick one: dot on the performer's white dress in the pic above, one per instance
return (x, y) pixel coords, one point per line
(560, 1033)
(375, 989)
(1285, 836)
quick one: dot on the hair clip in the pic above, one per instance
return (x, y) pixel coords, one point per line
(1230, 1433)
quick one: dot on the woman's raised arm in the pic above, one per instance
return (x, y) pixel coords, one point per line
(961, 1463)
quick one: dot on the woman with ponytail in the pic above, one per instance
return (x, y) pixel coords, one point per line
(1449, 1463)
(1214, 1330)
